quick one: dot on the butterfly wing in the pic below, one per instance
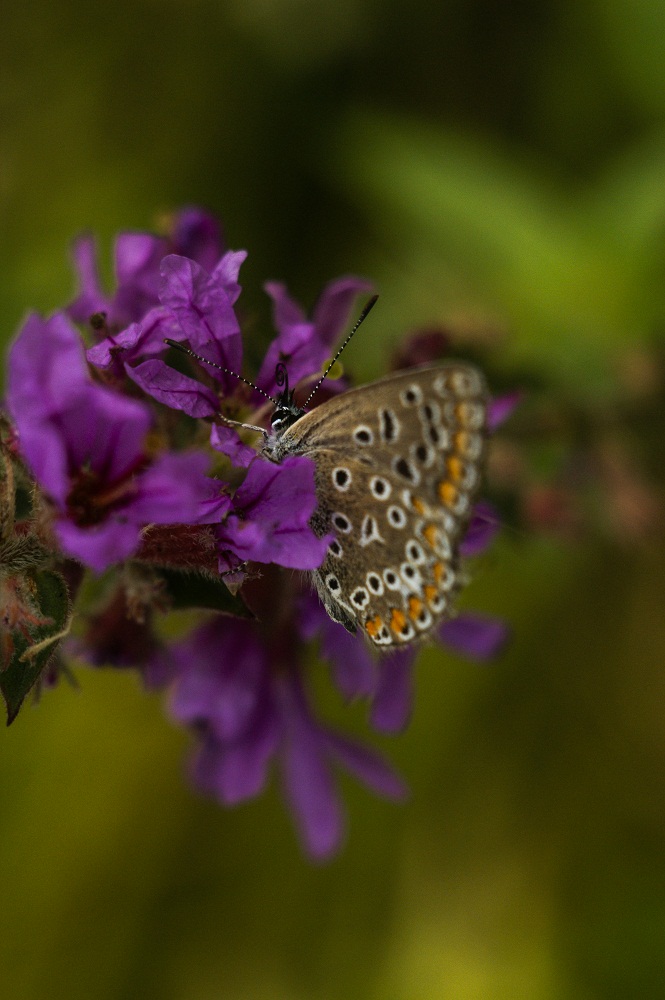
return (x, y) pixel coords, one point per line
(398, 463)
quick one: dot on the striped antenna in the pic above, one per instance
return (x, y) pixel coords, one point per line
(362, 316)
(213, 364)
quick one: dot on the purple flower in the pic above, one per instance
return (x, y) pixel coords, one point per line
(482, 529)
(240, 685)
(271, 515)
(173, 389)
(117, 350)
(248, 713)
(474, 636)
(203, 304)
(192, 305)
(502, 407)
(387, 683)
(198, 235)
(226, 440)
(86, 447)
(137, 258)
(305, 344)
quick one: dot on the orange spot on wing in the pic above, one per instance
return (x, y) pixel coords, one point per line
(397, 620)
(430, 593)
(438, 570)
(373, 626)
(415, 607)
(455, 468)
(461, 441)
(418, 505)
(431, 533)
(447, 493)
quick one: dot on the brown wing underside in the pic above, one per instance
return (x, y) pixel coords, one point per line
(397, 467)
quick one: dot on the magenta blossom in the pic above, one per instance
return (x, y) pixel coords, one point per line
(248, 713)
(86, 447)
(137, 258)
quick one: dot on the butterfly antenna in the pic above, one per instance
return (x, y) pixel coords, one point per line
(360, 319)
(213, 364)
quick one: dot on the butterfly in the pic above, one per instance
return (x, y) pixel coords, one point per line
(397, 466)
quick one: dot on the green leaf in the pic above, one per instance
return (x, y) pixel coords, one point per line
(31, 654)
(193, 590)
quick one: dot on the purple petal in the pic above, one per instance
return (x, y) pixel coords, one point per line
(274, 505)
(502, 407)
(310, 615)
(172, 489)
(91, 299)
(58, 407)
(353, 666)
(33, 398)
(393, 701)
(101, 545)
(287, 312)
(333, 310)
(226, 273)
(478, 637)
(137, 259)
(235, 772)
(106, 432)
(159, 670)
(174, 389)
(138, 340)
(204, 310)
(278, 492)
(197, 234)
(308, 783)
(305, 344)
(304, 354)
(482, 529)
(44, 450)
(108, 352)
(226, 440)
(368, 767)
(223, 677)
(47, 367)
(213, 507)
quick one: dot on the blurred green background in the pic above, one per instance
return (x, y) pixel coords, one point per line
(491, 166)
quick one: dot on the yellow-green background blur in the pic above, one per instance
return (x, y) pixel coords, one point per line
(504, 162)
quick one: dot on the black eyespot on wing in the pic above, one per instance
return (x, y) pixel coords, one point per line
(404, 469)
(363, 435)
(341, 522)
(388, 426)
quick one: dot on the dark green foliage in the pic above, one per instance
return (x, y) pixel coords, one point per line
(34, 640)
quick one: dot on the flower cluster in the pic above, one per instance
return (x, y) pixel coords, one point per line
(176, 508)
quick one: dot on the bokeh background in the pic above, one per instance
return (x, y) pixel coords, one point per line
(498, 169)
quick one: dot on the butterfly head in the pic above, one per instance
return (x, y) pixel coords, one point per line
(286, 411)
